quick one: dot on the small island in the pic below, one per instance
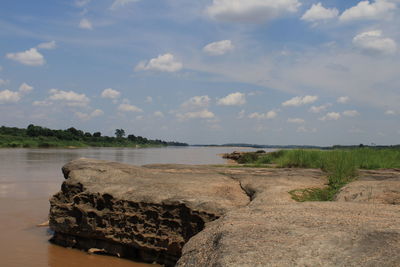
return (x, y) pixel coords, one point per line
(40, 137)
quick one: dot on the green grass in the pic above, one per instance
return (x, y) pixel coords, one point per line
(340, 165)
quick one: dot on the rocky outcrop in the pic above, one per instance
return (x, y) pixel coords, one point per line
(375, 186)
(216, 216)
(136, 212)
(273, 230)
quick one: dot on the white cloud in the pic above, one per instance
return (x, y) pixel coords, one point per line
(350, 113)
(318, 109)
(234, 99)
(372, 41)
(25, 88)
(380, 9)
(85, 24)
(149, 99)
(166, 62)
(331, 116)
(219, 48)
(125, 107)
(81, 3)
(48, 45)
(110, 93)
(70, 97)
(263, 116)
(318, 12)
(296, 120)
(86, 116)
(390, 112)
(197, 101)
(250, 11)
(29, 57)
(7, 96)
(299, 101)
(122, 3)
(158, 114)
(202, 114)
(343, 99)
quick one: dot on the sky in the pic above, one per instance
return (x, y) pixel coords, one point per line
(299, 72)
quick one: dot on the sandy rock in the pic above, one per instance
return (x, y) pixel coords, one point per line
(136, 212)
(377, 186)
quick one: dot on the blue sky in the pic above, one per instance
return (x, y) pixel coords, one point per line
(205, 71)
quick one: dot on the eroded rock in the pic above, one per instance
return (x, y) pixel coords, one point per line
(136, 212)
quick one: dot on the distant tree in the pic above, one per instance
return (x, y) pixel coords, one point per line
(119, 133)
(132, 137)
(87, 134)
(97, 134)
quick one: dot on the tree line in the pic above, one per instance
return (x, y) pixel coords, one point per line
(91, 139)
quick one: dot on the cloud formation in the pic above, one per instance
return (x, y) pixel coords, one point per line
(250, 11)
(121, 3)
(29, 57)
(379, 9)
(85, 24)
(343, 99)
(110, 93)
(296, 120)
(88, 116)
(196, 102)
(7, 96)
(201, 114)
(219, 48)
(318, 109)
(25, 88)
(234, 99)
(331, 116)
(126, 107)
(299, 101)
(318, 12)
(71, 98)
(164, 63)
(48, 45)
(263, 116)
(350, 113)
(372, 41)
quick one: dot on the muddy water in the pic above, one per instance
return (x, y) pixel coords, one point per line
(28, 177)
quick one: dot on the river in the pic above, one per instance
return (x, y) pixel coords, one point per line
(28, 178)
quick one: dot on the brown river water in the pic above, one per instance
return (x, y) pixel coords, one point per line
(28, 178)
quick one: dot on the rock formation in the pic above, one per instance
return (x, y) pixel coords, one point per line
(137, 212)
(216, 216)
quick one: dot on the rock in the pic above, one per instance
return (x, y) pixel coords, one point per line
(299, 234)
(273, 230)
(135, 212)
(381, 186)
(215, 216)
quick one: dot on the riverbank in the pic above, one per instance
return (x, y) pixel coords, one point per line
(40, 137)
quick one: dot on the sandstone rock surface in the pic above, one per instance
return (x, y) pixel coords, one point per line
(217, 216)
(137, 212)
(375, 186)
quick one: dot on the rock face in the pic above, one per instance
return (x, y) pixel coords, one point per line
(138, 212)
(214, 216)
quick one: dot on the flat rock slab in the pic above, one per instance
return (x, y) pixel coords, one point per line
(143, 213)
(376, 186)
(299, 234)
